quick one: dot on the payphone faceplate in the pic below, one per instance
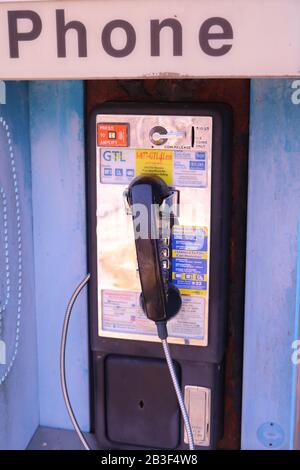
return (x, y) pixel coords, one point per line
(187, 145)
(177, 149)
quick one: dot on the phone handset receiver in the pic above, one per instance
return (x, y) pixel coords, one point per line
(145, 195)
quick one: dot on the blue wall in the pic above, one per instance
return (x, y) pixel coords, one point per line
(19, 398)
(58, 193)
(272, 259)
(42, 205)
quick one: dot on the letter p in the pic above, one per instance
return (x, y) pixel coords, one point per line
(15, 36)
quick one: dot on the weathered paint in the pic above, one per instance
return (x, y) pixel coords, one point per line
(19, 409)
(58, 187)
(295, 402)
(272, 258)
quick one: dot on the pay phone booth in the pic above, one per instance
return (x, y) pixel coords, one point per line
(124, 163)
(158, 204)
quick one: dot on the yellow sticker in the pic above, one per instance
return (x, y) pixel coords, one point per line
(155, 162)
(201, 293)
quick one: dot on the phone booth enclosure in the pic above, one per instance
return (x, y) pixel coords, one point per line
(125, 140)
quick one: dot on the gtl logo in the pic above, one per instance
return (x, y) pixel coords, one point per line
(113, 156)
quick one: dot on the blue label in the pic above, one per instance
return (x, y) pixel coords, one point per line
(119, 172)
(200, 155)
(189, 258)
(199, 165)
(129, 172)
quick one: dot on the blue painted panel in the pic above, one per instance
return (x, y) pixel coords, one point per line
(19, 409)
(272, 243)
(58, 182)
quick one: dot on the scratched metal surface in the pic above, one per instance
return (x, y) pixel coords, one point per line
(236, 93)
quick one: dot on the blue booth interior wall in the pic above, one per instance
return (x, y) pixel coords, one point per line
(59, 229)
(19, 394)
(272, 274)
(42, 256)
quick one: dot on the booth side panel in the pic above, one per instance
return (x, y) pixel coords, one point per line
(272, 252)
(19, 408)
(57, 139)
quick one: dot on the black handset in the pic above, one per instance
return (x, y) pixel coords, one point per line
(146, 195)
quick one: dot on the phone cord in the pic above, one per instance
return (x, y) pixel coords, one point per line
(184, 413)
(64, 387)
(63, 361)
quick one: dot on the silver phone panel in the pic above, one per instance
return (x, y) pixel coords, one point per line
(119, 313)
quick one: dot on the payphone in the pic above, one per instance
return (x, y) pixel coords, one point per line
(158, 204)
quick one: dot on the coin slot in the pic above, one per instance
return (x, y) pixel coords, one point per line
(193, 136)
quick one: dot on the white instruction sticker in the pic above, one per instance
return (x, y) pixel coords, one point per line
(189, 322)
(117, 165)
(121, 312)
(190, 169)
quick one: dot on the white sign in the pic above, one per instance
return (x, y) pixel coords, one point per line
(149, 38)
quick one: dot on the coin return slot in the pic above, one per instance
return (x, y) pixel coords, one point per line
(198, 404)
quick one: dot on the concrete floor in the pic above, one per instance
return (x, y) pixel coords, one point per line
(58, 439)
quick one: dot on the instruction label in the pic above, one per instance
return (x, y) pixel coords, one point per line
(112, 134)
(183, 168)
(189, 323)
(190, 259)
(122, 313)
(155, 162)
(190, 169)
(117, 166)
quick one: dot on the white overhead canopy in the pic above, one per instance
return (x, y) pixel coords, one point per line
(46, 39)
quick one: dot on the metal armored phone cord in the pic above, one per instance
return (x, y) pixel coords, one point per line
(63, 361)
(162, 333)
